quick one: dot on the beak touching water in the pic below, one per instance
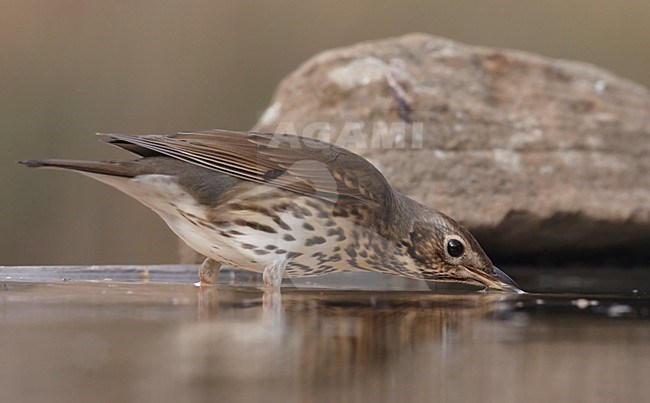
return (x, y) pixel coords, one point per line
(505, 282)
(496, 281)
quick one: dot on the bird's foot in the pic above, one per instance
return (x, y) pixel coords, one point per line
(273, 274)
(208, 272)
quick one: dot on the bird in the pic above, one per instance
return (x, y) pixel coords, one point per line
(287, 205)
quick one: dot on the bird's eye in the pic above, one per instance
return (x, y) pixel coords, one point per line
(455, 248)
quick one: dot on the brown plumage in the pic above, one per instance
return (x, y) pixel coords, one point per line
(284, 204)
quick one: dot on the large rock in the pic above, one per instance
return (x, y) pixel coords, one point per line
(534, 155)
(538, 157)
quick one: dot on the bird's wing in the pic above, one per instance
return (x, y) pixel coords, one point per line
(302, 165)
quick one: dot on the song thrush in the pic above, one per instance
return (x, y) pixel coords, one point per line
(287, 205)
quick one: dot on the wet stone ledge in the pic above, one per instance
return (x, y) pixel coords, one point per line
(633, 281)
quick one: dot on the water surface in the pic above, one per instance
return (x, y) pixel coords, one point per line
(133, 333)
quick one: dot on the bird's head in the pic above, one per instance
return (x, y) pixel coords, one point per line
(445, 251)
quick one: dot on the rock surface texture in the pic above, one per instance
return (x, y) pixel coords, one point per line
(539, 158)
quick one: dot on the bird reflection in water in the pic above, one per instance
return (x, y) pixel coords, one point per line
(312, 342)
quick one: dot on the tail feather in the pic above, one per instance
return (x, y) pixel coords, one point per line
(112, 168)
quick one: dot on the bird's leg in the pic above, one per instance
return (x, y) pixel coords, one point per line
(273, 274)
(208, 272)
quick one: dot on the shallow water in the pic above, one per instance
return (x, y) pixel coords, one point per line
(146, 333)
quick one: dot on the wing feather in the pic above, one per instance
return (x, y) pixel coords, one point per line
(299, 164)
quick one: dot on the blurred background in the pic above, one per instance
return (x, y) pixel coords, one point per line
(69, 69)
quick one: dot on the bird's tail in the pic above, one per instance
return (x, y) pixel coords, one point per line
(111, 168)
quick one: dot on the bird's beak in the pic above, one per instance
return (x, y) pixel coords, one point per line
(498, 281)
(506, 282)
